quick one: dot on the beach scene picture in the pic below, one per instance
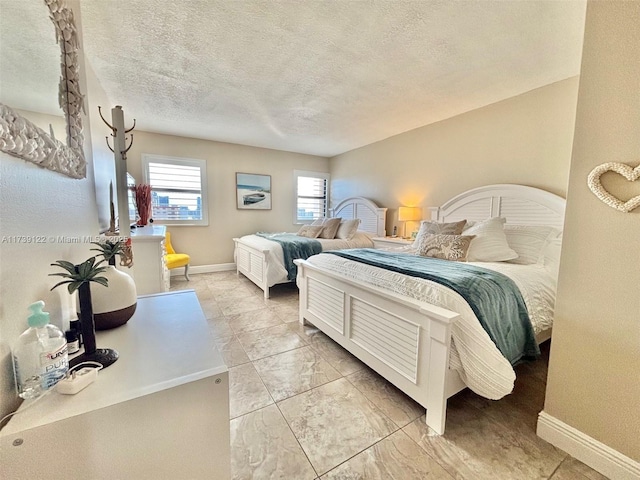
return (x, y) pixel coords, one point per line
(253, 191)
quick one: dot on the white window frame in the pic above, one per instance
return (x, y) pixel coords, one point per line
(303, 173)
(191, 162)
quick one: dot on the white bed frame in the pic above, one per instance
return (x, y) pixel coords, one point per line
(407, 341)
(252, 262)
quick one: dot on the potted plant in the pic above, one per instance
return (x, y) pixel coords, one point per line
(79, 277)
(109, 249)
(114, 306)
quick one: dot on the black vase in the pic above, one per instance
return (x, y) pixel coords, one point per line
(103, 356)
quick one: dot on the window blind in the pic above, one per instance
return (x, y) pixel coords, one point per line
(176, 191)
(311, 198)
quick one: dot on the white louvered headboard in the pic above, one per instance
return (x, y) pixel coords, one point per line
(372, 218)
(519, 204)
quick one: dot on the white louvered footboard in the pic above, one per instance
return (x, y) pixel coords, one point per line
(406, 341)
(252, 263)
(388, 337)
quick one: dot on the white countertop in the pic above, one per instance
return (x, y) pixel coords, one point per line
(149, 232)
(165, 344)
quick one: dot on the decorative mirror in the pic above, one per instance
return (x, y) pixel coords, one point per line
(22, 138)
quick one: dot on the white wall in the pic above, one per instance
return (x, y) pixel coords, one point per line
(104, 171)
(47, 122)
(213, 244)
(525, 139)
(41, 206)
(594, 368)
(37, 206)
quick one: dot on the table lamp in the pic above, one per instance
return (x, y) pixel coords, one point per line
(409, 214)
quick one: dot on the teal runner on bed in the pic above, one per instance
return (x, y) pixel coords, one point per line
(493, 297)
(293, 246)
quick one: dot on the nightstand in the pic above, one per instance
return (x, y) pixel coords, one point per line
(160, 411)
(391, 242)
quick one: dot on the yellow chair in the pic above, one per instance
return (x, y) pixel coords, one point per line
(175, 260)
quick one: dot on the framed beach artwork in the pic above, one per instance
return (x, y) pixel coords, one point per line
(253, 191)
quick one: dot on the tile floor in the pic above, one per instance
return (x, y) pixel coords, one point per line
(301, 407)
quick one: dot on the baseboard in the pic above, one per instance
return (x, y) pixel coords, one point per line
(589, 451)
(219, 267)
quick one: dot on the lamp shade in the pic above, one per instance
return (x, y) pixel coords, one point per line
(409, 214)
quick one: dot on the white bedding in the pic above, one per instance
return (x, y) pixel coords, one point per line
(276, 271)
(474, 355)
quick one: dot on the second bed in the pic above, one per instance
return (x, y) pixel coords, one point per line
(262, 260)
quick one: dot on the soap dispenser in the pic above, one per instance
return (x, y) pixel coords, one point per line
(40, 357)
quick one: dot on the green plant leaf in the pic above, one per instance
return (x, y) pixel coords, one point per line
(102, 281)
(66, 275)
(108, 249)
(65, 264)
(61, 283)
(85, 268)
(85, 272)
(68, 266)
(95, 272)
(73, 286)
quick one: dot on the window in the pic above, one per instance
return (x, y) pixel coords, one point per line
(131, 198)
(312, 193)
(178, 189)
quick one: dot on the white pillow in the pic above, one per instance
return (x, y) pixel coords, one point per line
(529, 241)
(330, 228)
(348, 229)
(551, 255)
(318, 222)
(309, 231)
(490, 244)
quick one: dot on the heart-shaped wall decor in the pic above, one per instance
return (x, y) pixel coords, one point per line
(630, 173)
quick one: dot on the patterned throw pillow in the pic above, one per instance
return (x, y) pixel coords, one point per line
(430, 228)
(310, 232)
(446, 247)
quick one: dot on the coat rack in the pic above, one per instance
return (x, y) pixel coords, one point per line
(114, 133)
(120, 149)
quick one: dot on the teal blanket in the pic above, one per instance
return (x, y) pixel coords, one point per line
(293, 246)
(493, 297)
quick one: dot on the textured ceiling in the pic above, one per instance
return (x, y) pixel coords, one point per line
(322, 77)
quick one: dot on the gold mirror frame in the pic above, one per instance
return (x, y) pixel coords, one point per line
(21, 138)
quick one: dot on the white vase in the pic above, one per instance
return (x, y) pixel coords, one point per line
(113, 305)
